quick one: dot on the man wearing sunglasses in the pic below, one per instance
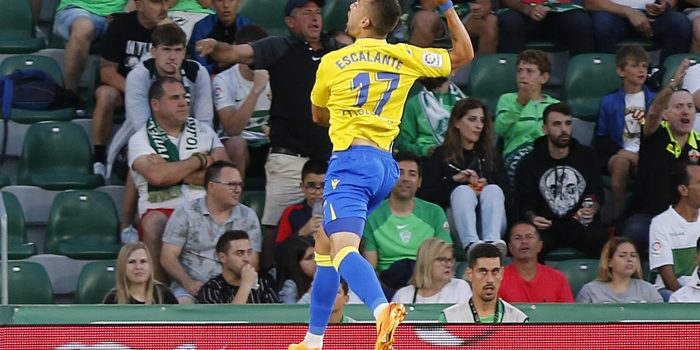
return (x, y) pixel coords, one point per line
(189, 242)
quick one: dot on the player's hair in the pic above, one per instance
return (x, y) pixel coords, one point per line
(679, 176)
(156, 91)
(168, 34)
(536, 57)
(428, 251)
(402, 156)
(314, 166)
(609, 249)
(559, 107)
(634, 53)
(250, 32)
(222, 245)
(523, 222)
(289, 269)
(384, 15)
(453, 150)
(214, 170)
(344, 285)
(484, 250)
(122, 283)
(432, 83)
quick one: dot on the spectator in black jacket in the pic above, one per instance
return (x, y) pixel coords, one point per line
(559, 187)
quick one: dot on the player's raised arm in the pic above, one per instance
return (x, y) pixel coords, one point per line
(225, 53)
(321, 115)
(462, 51)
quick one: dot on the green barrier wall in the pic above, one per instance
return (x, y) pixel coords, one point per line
(549, 313)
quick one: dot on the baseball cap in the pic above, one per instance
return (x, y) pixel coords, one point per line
(292, 4)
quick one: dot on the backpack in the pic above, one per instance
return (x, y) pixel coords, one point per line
(35, 90)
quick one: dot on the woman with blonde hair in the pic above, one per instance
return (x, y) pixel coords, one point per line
(135, 283)
(433, 277)
(619, 277)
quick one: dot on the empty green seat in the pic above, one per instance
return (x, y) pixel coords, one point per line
(57, 156)
(579, 272)
(48, 65)
(268, 14)
(95, 281)
(28, 283)
(589, 77)
(83, 225)
(492, 76)
(17, 28)
(254, 200)
(4, 180)
(17, 245)
(671, 63)
(564, 254)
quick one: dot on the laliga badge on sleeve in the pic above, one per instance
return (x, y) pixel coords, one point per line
(432, 59)
(656, 249)
(693, 155)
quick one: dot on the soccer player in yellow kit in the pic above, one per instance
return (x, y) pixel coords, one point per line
(360, 92)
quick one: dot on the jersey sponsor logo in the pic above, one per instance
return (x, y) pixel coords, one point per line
(334, 183)
(693, 155)
(218, 92)
(656, 248)
(446, 226)
(405, 235)
(401, 227)
(314, 58)
(432, 59)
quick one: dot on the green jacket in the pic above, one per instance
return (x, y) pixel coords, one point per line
(517, 124)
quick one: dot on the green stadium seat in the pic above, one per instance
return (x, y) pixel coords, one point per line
(57, 156)
(335, 14)
(28, 283)
(4, 180)
(18, 247)
(589, 77)
(564, 254)
(579, 272)
(254, 200)
(83, 225)
(48, 65)
(671, 64)
(95, 281)
(491, 77)
(268, 14)
(17, 28)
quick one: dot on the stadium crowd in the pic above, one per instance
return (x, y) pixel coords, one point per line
(506, 185)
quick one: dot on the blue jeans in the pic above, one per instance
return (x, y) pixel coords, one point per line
(570, 28)
(672, 30)
(491, 203)
(63, 20)
(636, 228)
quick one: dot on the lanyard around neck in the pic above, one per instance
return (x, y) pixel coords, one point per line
(475, 314)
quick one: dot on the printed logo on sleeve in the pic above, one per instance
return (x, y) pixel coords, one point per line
(432, 59)
(656, 248)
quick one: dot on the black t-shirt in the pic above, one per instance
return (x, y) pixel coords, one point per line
(166, 296)
(292, 65)
(126, 42)
(658, 153)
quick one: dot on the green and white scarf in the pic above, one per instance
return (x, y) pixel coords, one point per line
(160, 142)
(436, 110)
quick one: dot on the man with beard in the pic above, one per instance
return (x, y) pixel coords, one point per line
(398, 227)
(558, 187)
(485, 272)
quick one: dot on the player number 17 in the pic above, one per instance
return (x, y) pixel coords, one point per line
(361, 82)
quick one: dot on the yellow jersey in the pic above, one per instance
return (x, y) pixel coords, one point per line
(365, 86)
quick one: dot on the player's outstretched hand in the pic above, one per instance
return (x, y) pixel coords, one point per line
(205, 46)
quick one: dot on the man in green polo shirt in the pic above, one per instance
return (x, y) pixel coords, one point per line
(400, 224)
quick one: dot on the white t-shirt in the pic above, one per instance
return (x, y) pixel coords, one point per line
(139, 146)
(635, 4)
(631, 135)
(689, 293)
(691, 82)
(231, 89)
(672, 241)
(455, 291)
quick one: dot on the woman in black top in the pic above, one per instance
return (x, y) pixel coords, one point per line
(134, 279)
(464, 174)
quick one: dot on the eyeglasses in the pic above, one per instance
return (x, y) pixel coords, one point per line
(445, 260)
(313, 186)
(232, 185)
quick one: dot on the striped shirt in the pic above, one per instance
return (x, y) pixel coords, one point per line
(218, 291)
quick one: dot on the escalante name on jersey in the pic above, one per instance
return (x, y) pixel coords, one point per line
(375, 57)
